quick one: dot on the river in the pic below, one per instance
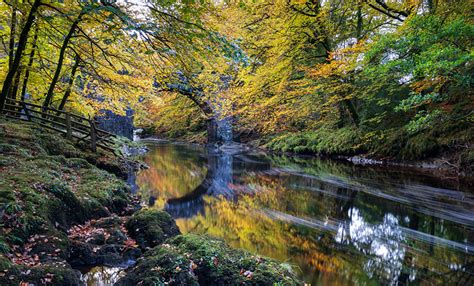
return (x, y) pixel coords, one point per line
(336, 223)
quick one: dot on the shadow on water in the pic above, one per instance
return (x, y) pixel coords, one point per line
(338, 223)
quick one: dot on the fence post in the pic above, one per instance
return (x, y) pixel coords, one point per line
(27, 111)
(68, 126)
(93, 136)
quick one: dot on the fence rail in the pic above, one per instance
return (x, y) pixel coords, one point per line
(71, 125)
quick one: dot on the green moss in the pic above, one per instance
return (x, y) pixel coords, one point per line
(394, 143)
(5, 162)
(4, 247)
(7, 148)
(150, 227)
(160, 266)
(420, 147)
(78, 163)
(48, 187)
(48, 274)
(4, 262)
(54, 144)
(198, 260)
(324, 141)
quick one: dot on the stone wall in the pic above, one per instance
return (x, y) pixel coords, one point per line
(117, 124)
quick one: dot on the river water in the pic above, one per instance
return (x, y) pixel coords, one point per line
(336, 223)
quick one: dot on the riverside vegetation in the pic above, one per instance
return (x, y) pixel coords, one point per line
(62, 209)
(389, 80)
(384, 79)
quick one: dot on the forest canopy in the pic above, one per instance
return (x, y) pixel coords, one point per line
(388, 78)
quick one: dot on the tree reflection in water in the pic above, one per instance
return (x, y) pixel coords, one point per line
(382, 243)
(103, 276)
(340, 224)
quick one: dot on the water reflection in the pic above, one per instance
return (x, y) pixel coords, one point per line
(175, 171)
(340, 224)
(102, 276)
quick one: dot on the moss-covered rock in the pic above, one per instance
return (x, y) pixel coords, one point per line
(199, 260)
(150, 227)
(46, 274)
(101, 242)
(47, 185)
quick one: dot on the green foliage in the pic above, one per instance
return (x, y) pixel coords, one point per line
(392, 96)
(422, 121)
(337, 78)
(415, 100)
(282, 69)
(426, 46)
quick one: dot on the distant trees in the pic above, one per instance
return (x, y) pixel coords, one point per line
(89, 51)
(382, 71)
(14, 64)
(105, 53)
(377, 73)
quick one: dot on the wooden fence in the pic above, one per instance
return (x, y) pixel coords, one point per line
(73, 126)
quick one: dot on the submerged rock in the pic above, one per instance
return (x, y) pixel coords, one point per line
(199, 260)
(150, 227)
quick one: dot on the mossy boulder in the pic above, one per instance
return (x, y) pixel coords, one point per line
(59, 274)
(101, 242)
(48, 185)
(150, 227)
(200, 260)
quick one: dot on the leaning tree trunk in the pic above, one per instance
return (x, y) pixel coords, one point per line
(19, 52)
(11, 53)
(16, 83)
(30, 64)
(62, 52)
(11, 44)
(77, 61)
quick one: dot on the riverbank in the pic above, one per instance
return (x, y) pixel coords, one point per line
(452, 165)
(451, 153)
(64, 208)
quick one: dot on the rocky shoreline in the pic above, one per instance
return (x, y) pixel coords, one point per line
(64, 209)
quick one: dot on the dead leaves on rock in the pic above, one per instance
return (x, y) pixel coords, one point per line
(90, 231)
(26, 255)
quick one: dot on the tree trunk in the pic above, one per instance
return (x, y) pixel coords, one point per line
(77, 60)
(62, 52)
(30, 64)
(11, 44)
(360, 23)
(19, 52)
(212, 134)
(16, 83)
(432, 6)
(352, 112)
